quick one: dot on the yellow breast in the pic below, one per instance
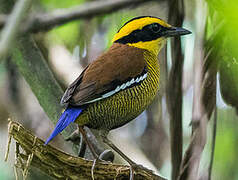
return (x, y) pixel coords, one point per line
(125, 105)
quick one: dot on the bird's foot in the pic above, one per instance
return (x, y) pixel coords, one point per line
(135, 167)
(140, 167)
(76, 139)
(105, 156)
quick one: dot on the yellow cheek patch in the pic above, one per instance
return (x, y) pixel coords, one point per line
(152, 46)
(138, 24)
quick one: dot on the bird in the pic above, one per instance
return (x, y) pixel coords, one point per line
(120, 84)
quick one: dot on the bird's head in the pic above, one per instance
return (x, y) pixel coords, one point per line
(147, 32)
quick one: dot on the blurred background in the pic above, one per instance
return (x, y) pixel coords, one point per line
(68, 48)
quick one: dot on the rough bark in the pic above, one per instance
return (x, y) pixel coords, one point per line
(61, 165)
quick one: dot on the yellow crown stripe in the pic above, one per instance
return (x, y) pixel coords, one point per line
(138, 24)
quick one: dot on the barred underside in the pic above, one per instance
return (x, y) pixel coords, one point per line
(125, 105)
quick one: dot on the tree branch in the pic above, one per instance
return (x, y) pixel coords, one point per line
(11, 28)
(44, 22)
(191, 161)
(214, 130)
(60, 165)
(174, 93)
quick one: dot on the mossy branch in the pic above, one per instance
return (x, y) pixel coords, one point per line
(61, 165)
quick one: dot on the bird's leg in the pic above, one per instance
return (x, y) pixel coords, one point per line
(106, 155)
(92, 149)
(96, 157)
(133, 165)
(77, 139)
(104, 134)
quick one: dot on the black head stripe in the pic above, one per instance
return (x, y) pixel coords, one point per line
(147, 33)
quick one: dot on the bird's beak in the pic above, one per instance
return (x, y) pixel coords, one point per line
(177, 31)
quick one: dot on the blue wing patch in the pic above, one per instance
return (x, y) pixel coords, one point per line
(68, 116)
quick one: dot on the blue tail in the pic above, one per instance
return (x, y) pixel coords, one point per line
(68, 116)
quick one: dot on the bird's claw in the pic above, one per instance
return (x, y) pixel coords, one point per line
(135, 167)
(105, 156)
(139, 166)
(75, 137)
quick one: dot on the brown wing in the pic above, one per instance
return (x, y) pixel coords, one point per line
(119, 64)
(70, 90)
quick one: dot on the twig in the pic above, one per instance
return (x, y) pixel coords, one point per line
(213, 143)
(8, 143)
(11, 28)
(210, 69)
(174, 89)
(44, 22)
(16, 156)
(61, 165)
(191, 161)
(28, 162)
(15, 173)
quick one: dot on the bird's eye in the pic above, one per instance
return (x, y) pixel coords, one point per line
(155, 28)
